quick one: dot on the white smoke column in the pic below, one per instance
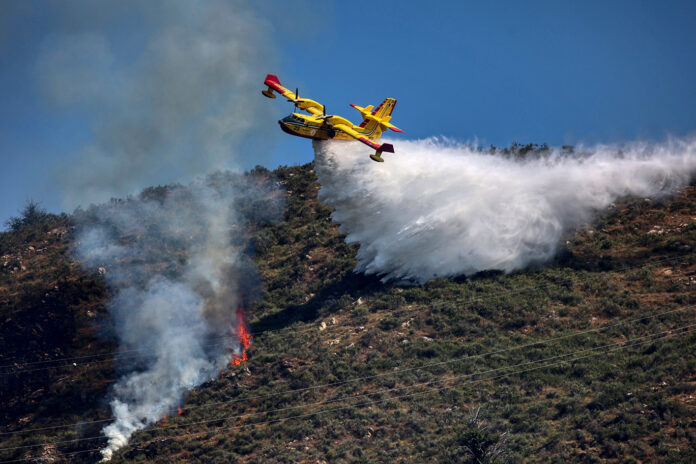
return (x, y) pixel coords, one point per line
(179, 321)
(436, 208)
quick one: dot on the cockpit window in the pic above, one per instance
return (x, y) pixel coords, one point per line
(293, 118)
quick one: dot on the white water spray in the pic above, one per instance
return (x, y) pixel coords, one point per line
(441, 209)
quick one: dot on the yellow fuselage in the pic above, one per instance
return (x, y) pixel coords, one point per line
(311, 128)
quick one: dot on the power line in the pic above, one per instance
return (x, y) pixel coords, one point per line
(391, 373)
(634, 342)
(115, 355)
(431, 390)
(618, 346)
(137, 352)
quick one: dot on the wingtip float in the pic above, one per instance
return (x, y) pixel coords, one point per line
(321, 126)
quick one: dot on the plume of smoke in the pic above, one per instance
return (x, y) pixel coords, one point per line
(170, 87)
(441, 209)
(180, 318)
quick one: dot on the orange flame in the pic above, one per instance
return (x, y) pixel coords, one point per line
(179, 411)
(164, 420)
(244, 337)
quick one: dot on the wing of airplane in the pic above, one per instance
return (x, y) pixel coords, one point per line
(315, 108)
(385, 147)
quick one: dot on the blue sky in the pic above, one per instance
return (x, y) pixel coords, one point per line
(492, 72)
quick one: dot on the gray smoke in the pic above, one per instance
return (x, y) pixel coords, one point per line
(175, 321)
(441, 209)
(171, 92)
(171, 89)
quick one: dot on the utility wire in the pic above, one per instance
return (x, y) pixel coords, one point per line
(428, 390)
(134, 353)
(385, 374)
(617, 346)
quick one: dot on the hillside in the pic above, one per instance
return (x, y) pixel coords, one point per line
(588, 359)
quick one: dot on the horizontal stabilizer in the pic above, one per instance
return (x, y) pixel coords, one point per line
(392, 127)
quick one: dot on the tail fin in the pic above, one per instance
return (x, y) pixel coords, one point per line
(370, 125)
(385, 108)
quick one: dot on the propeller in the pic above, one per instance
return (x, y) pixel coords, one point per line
(324, 116)
(297, 96)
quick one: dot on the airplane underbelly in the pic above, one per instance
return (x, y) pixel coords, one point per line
(342, 136)
(313, 132)
(310, 132)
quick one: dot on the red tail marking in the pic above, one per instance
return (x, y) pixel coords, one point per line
(273, 82)
(392, 110)
(272, 79)
(368, 142)
(386, 147)
(378, 108)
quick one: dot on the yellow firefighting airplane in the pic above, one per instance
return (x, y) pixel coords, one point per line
(322, 126)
